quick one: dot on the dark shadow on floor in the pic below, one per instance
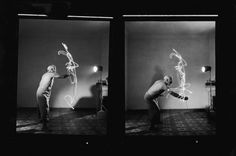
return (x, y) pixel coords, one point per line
(91, 100)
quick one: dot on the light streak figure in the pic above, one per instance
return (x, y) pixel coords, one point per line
(71, 69)
(182, 88)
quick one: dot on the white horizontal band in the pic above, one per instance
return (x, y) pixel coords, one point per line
(39, 15)
(100, 17)
(170, 15)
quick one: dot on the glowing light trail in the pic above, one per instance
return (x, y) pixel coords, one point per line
(182, 88)
(71, 69)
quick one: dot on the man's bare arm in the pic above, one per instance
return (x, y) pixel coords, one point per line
(61, 76)
(177, 95)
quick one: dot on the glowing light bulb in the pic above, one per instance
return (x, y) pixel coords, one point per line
(95, 69)
(203, 69)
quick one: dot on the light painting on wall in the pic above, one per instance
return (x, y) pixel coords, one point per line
(71, 69)
(182, 89)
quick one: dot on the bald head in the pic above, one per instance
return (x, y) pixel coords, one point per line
(51, 68)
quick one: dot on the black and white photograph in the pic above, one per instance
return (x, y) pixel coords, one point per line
(118, 77)
(170, 78)
(62, 83)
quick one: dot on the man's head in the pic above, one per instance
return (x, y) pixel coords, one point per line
(51, 68)
(167, 80)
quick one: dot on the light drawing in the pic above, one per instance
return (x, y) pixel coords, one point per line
(71, 69)
(182, 89)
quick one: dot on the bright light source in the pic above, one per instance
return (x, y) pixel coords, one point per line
(206, 68)
(203, 69)
(95, 69)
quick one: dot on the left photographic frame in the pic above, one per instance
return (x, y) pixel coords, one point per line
(70, 98)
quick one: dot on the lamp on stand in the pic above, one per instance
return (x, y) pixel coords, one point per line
(206, 69)
(100, 110)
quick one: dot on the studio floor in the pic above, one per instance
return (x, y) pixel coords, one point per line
(62, 121)
(187, 122)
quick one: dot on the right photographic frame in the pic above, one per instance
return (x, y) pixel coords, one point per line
(170, 77)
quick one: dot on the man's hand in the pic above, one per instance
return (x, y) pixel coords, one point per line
(178, 96)
(185, 98)
(62, 76)
(67, 75)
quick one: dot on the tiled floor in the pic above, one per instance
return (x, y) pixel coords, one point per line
(62, 121)
(174, 123)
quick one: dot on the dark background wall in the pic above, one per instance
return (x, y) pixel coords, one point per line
(39, 41)
(148, 45)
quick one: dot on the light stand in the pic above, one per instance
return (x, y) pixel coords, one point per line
(100, 85)
(101, 97)
(99, 69)
(211, 101)
(205, 69)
